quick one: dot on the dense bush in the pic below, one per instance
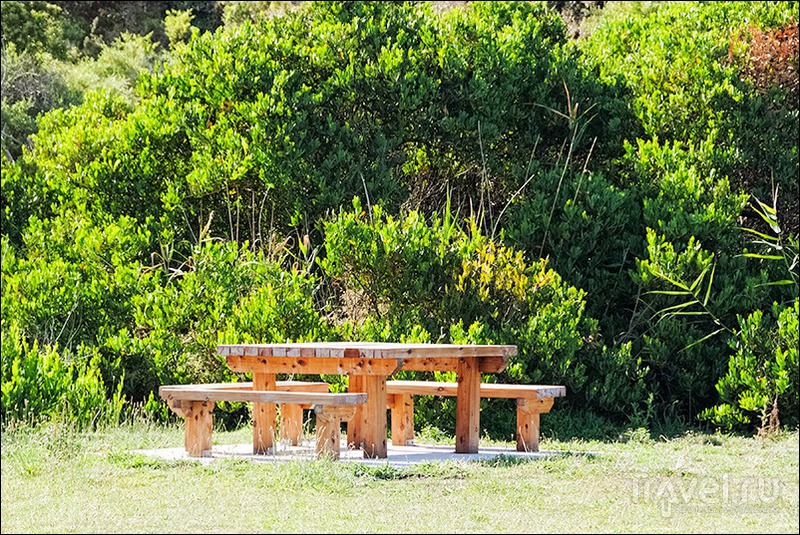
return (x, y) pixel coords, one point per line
(761, 383)
(36, 84)
(415, 280)
(694, 73)
(388, 99)
(221, 293)
(36, 27)
(44, 382)
(586, 201)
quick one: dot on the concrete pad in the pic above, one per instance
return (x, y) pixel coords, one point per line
(398, 456)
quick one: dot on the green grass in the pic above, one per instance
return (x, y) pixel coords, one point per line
(57, 480)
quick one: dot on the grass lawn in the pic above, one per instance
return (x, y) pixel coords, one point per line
(55, 480)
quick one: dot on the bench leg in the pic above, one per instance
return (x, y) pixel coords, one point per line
(264, 415)
(292, 423)
(329, 432)
(528, 411)
(402, 407)
(199, 426)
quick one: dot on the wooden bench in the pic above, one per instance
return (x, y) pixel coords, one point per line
(195, 403)
(532, 400)
(291, 427)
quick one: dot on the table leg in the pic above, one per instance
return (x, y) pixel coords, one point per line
(264, 415)
(374, 428)
(369, 425)
(468, 405)
(355, 438)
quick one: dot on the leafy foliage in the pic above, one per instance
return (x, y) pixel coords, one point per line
(773, 60)
(421, 280)
(36, 27)
(382, 171)
(41, 383)
(761, 383)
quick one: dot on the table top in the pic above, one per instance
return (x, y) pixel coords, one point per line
(373, 350)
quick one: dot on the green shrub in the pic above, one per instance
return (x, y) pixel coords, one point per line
(238, 12)
(44, 382)
(116, 69)
(593, 229)
(73, 279)
(222, 293)
(18, 124)
(761, 386)
(696, 301)
(682, 47)
(37, 27)
(762, 378)
(681, 61)
(416, 279)
(342, 97)
(592, 238)
(65, 292)
(177, 25)
(580, 200)
(32, 84)
(39, 75)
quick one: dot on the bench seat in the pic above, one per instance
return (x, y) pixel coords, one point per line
(532, 400)
(286, 386)
(291, 425)
(195, 403)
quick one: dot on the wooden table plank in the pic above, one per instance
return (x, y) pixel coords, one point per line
(257, 396)
(286, 386)
(366, 350)
(493, 390)
(427, 364)
(314, 365)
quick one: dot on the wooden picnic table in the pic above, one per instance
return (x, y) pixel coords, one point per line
(367, 366)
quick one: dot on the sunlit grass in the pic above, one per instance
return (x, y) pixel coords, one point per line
(58, 480)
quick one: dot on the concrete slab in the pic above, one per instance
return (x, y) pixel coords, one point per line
(398, 456)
